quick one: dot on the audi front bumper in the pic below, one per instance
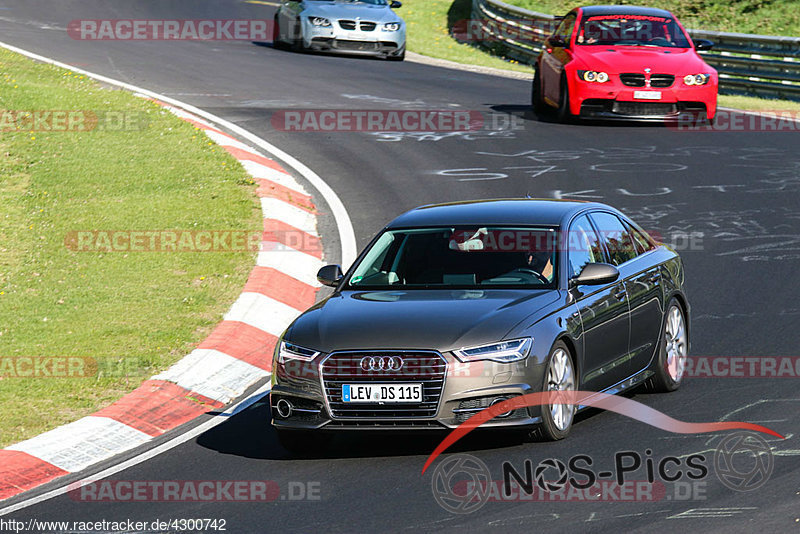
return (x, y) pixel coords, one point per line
(308, 395)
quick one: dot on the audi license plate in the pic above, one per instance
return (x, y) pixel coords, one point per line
(383, 393)
(647, 95)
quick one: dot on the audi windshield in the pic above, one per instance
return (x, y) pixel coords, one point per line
(632, 30)
(459, 257)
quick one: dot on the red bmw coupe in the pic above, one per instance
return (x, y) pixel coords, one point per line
(624, 62)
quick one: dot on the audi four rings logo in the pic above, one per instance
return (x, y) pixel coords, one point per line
(381, 363)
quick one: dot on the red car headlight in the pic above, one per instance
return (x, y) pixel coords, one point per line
(593, 76)
(696, 79)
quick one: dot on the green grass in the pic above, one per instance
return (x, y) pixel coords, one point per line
(144, 310)
(767, 17)
(757, 104)
(429, 23)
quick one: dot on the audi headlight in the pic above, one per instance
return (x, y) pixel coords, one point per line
(696, 79)
(320, 21)
(593, 76)
(391, 26)
(288, 351)
(503, 352)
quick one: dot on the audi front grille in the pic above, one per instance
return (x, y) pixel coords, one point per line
(419, 367)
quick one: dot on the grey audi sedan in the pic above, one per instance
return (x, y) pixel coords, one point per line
(363, 27)
(455, 307)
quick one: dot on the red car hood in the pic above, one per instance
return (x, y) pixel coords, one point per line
(617, 59)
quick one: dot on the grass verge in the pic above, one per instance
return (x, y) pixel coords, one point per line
(134, 313)
(429, 22)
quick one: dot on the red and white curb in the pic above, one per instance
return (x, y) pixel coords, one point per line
(237, 354)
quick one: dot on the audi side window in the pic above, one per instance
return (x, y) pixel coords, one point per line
(643, 244)
(618, 240)
(583, 245)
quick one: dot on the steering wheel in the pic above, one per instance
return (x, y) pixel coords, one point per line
(534, 272)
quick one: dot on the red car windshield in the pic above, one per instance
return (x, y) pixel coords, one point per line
(631, 30)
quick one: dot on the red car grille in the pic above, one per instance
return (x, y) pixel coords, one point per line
(635, 79)
(662, 80)
(632, 79)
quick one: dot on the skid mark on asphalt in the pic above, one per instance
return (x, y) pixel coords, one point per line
(695, 513)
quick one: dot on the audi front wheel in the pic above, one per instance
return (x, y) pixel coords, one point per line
(560, 376)
(670, 365)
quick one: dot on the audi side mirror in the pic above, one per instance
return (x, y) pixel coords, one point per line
(395, 4)
(703, 44)
(330, 275)
(595, 274)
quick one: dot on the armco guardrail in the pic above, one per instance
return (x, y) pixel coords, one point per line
(755, 65)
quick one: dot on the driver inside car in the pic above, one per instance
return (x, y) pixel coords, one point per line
(542, 263)
(475, 240)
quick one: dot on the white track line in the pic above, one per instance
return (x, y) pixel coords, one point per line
(213, 374)
(347, 235)
(140, 458)
(274, 208)
(298, 265)
(257, 170)
(343, 223)
(262, 312)
(77, 445)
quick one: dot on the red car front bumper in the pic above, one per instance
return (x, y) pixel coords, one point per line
(615, 100)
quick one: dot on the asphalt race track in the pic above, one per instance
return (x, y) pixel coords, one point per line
(730, 200)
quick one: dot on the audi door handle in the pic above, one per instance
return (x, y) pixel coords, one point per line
(619, 295)
(655, 277)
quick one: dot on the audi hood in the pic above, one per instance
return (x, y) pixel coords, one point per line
(439, 319)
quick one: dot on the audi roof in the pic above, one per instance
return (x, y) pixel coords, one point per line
(521, 211)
